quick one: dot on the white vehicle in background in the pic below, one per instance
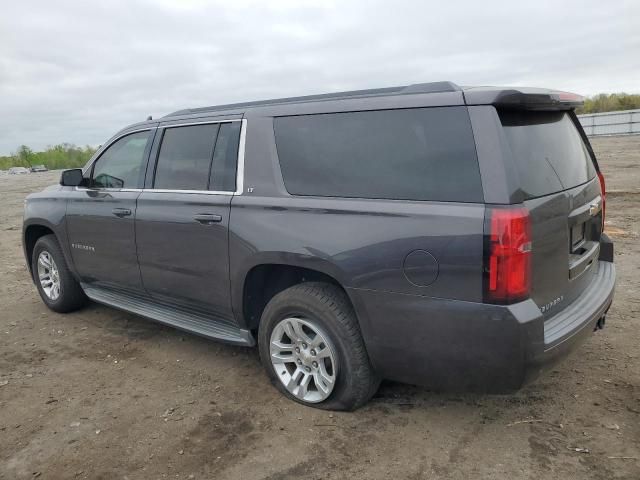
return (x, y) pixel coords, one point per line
(18, 171)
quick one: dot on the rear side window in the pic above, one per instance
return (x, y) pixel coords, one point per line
(547, 151)
(185, 157)
(198, 157)
(225, 158)
(407, 154)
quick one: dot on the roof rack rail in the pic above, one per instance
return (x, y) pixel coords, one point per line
(417, 88)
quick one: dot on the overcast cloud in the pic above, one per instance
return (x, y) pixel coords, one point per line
(76, 71)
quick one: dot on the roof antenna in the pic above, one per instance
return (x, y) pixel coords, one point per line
(149, 118)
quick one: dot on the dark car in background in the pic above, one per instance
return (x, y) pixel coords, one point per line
(431, 234)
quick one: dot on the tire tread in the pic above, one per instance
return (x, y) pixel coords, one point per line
(73, 296)
(363, 380)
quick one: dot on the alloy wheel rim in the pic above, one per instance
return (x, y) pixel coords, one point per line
(49, 275)
(304, 359)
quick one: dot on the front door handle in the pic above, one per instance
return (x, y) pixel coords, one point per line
(121, 212)
(207, 218)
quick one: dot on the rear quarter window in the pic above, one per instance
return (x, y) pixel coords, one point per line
(406, 154)
(547, 151)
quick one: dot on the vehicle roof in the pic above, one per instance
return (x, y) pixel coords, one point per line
(444, 93)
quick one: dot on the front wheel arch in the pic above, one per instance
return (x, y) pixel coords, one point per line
(32, 234)
(71, 296)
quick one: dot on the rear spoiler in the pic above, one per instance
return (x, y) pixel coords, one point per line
(524, 98)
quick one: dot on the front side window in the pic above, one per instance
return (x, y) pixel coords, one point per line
(122, 164)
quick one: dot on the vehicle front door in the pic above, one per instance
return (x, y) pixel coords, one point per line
(101, 214)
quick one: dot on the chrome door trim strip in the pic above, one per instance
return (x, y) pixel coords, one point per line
(85, 189)
(200, 192)
(154, 190)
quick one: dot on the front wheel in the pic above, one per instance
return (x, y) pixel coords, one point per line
(312, 349)
(59, 290)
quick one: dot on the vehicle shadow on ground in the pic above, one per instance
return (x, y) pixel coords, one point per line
(123, 328)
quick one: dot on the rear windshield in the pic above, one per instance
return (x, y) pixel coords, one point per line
(548, 152)
(406, 154)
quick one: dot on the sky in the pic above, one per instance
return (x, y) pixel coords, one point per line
(77, 71)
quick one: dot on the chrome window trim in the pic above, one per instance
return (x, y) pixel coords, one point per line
(200, 192)
(204, 122)
(239, 168)
(154, 190)
(85, 189)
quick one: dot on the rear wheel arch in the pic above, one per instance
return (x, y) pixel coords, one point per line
(264, 281)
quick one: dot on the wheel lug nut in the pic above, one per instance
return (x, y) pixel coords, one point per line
(307, 369)
(297, 350)
(299, 362)
(304, 345)
(313, 352)
(315, 364)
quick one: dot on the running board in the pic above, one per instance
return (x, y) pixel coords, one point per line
(190, 321)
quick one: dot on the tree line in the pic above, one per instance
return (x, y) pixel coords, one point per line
(609, 102)
(54, 157)
(66, 155)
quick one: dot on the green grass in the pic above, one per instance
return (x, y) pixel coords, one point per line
(57, 157)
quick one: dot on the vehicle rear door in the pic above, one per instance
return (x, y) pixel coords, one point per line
(183, 213)
(100, 216)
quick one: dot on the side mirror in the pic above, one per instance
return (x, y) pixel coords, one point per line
(72, 178)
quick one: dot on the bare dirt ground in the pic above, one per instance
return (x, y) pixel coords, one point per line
(103, 394)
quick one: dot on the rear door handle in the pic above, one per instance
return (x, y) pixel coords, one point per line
(207, 218)
(121, 212)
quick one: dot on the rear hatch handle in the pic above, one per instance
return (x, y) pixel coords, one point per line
(586, 211)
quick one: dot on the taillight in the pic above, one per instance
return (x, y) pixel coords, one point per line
(603, 192)
(507, 258)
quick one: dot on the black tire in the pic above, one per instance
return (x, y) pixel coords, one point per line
(328, 307)
(71, 295)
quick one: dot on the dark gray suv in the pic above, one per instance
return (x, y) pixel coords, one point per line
(431, 234)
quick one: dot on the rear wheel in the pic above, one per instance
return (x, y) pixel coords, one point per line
(312, 349)
(59, 290)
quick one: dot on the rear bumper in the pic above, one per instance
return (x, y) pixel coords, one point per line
(579, 319)
(455, 345)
